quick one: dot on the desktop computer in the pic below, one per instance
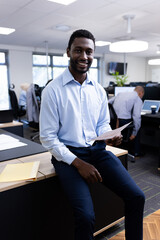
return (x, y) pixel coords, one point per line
(6, 116)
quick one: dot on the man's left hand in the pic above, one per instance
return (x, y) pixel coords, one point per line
(114, 141)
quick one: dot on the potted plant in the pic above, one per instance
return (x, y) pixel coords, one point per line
(120, 79)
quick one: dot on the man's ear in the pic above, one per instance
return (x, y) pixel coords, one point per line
(68, 52)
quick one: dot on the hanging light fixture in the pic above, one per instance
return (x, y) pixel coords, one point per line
(102, 43)
(154, 61)
(128, 46)
(158, 51)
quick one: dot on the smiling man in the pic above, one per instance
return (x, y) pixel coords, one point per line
(81, 53)
(74, 110)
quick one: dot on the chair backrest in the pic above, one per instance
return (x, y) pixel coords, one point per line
(113, 116)
(17, 110)
(14, 103)
(127, 131)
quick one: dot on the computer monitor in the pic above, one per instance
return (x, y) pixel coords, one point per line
(147, 105)
(6, 116)
(123, 89)
(151, 93)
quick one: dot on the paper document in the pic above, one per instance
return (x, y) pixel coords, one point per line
(8, 142)
(20, 171)
(111, 134)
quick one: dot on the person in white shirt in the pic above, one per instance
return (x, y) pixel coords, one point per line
(128, 106)
(22, 98)
(74, 110)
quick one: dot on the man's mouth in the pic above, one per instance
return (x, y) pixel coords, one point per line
(83, 64)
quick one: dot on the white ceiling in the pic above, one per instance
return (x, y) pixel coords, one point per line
(35, 22)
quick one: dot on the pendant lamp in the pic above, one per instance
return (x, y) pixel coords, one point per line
(154, 61)
(128, 46)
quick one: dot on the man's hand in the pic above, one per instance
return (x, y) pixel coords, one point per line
(87, 171)
(132, 137)
(114, 141)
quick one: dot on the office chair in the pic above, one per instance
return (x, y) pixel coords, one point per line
(113, 117)
(18, 111)
(33, 98)
(126, 143)
(126, 133)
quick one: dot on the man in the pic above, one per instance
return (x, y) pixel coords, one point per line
(128, 106)
(73, 112)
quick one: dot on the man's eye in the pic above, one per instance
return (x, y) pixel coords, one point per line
(89, 52)
(77, 50)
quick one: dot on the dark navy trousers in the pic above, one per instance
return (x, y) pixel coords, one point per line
(134, 146)
(115, 177)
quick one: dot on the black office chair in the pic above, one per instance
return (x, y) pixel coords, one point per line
(126, 133)
(18, 111)
(126, 142)
(113, 117)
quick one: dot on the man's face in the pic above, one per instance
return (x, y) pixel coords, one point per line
(141, 94)
(81, 55)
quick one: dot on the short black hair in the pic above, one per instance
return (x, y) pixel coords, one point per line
(80, 33)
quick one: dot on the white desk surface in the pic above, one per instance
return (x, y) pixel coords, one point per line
(117, 151)
(46, 168)
(11, 124)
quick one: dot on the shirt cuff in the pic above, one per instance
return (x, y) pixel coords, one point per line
(69, 158)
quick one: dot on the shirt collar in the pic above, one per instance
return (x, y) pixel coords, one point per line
(67, 77)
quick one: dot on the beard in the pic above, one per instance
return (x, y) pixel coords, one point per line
(76, 68)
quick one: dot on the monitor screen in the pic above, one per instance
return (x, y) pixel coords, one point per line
(6, 116)
(148, 103)
(114, 67)
(123, 89)
(152, 93)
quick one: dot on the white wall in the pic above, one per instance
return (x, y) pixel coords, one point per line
(153, 72)
(136, 69)
(20, 68)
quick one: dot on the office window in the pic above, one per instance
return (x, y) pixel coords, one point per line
(41, 69)
(59, 65)
(4, 97)
(49, 68)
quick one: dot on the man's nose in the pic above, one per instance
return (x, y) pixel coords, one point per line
(83, 55)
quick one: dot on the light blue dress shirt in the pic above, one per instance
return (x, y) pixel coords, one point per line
(22, 99)
(72, 114)
(128, 105)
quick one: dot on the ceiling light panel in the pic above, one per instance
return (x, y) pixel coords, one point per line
(154, 62)
(102, 43)
(64, 2)
(6, 31)
(128, 46)
(63, 28)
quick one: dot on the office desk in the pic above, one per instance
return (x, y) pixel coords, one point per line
(13, 127)
(150, 132)
(30, 149)
(40, 210)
